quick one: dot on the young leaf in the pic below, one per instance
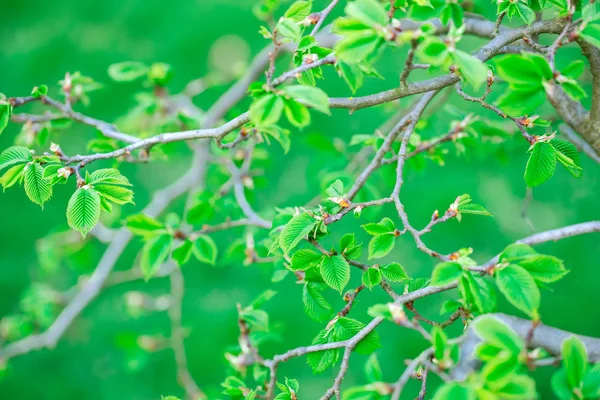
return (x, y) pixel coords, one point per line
(381, 245)
(386, 225)
(394, 272)
(304, 259)
(295, 230)
(5, 113)
(266, 110)
(205, 250)
(350, 327)
(298, 10)
(575, 360)
(13, 175)
(143, 225)
(517, 251)
(446, 273)
(310, 96)
(519, 288)
(567, 155)
(544, 268)
(109, 176)
(541, 164)
(471, 69)
(336, 272)
(372, 277)
(154, 253)
(319, 361)
(297, 113)
(15, 155)
(116, 194)
(439, 340)
(315, 304)
(36, 187)
(83, 210)
(182, 254)
(496, 333)
(373, 370)
(369, 12)
(127, 71)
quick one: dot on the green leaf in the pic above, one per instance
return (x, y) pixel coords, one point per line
(544, 268)
(439, 340)
(541, 164)
(83, 210)
(205, 249)
(373, 370)
(560, 386)
(496, 333)
(352, 75)
(454, 391)
(517, 251)
(472, 70)
(15, 155)
(336, 272)
(13, 175)
(526, 13)
(304, 259)
(315, 304)
(127, 71)
(369, 12)
(36, 187)
(319, 361)
(350, 327)
(5, 113)
(477, 292)
(266, 110)
(381, 245)
(572, 88)
(472, 208)
(393, 272)
(574, 70)
(372, 277)
(143, 225)
(289, 29)
(519, 288)
(295, 230)
(386, 225)
(568, 156)
(358, 49)
(110, 176)
(298, 10)
(521, 99)
(154, 253)
(336, 189)
(591, 383)
(39, 91)
(575, 360)
(446, 273)
(520, 387)
(520, 69)
(182, 254)
(433, 51)
(297, 113)
(116, 194)
(591, 34)
(310, 96)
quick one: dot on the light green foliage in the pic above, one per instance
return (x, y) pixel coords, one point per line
(492, 66)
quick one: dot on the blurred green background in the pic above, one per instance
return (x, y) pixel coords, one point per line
(41, 40)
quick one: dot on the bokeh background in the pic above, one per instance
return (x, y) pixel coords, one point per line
(98, 357)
